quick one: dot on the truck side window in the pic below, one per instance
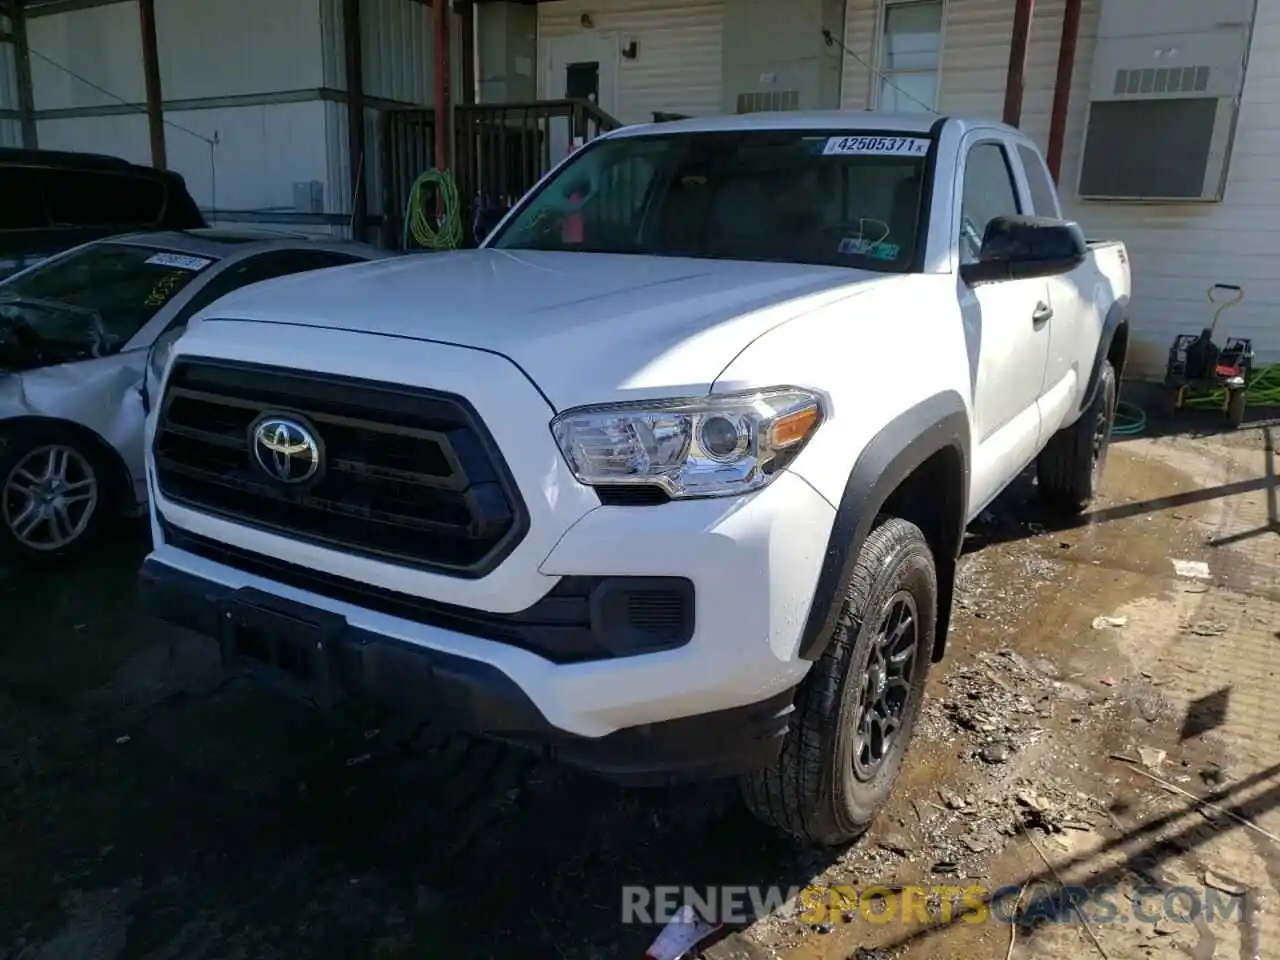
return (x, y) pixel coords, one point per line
(989, 192)
(1043, 195)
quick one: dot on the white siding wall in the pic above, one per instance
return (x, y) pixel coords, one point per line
(678, 69)
(1177, 249)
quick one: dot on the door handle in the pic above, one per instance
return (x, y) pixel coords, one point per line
(1042, 314)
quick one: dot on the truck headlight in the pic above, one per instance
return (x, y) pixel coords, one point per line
(709, 446)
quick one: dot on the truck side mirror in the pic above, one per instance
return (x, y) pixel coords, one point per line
(1018, 247)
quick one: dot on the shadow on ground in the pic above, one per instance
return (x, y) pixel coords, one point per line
(150, 809)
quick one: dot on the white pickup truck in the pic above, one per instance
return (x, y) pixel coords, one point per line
(669, 478)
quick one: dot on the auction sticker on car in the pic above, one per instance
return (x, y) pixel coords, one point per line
(864, 146)
(179, 260)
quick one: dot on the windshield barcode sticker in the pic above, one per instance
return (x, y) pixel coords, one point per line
(876, 146)
(180, 261)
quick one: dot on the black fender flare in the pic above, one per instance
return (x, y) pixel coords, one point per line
(901, 446)
(1117, 317)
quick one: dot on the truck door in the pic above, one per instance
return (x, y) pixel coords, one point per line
(1076, 323)
(1006, 324)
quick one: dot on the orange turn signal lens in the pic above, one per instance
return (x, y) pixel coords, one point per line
(792, 428)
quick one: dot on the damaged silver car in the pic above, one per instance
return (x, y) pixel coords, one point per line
(75, 331)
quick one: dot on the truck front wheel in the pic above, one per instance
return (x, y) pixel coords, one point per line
(856, 709)
(1069, 469)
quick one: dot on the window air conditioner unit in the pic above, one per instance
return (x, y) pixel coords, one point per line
(1163, 101)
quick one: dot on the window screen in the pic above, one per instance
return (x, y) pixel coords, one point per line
(1148, 148)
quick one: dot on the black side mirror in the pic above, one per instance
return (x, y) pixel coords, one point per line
(1018, 247)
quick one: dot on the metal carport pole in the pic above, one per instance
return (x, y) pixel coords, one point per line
(151, 75)
(1062, 86)
(355, 117)
(440, 26)
(1015, 82)
(17, 35)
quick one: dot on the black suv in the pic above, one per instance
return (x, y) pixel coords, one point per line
(53, 201)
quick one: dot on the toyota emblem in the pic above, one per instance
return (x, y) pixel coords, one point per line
(285, 449)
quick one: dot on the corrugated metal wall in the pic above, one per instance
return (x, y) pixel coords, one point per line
(10, 130)
(398, 57)
(101, 44)
(237, 47)
(398, 50)
(679, 63)
(1177, 249)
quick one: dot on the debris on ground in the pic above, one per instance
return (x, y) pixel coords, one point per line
(1207, 628)
(1192, 569)
(685, 931)
(1151, 757)
(1211, 879)
(1102, 623)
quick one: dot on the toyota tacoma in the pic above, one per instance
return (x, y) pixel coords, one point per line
(669, 477)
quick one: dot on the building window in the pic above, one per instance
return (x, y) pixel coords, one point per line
(910, 55)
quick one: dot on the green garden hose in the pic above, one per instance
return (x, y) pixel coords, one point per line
(447, 234)
(1263, 391)
(1130, 420)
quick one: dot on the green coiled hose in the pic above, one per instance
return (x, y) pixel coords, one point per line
(1263, 390)
(418, 223)
(1130, 420)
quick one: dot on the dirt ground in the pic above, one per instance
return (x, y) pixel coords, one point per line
(150, 808)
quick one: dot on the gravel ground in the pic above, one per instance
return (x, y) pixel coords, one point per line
(149, 808)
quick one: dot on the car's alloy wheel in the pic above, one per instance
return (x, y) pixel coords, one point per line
(50, 497)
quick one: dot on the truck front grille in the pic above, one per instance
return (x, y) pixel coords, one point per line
(409, 476)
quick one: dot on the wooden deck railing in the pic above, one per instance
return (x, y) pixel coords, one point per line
(500, 151)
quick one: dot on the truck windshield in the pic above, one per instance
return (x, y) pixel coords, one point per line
(850, 200)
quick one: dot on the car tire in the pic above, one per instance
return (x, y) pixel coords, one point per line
(55, 471)
(1069, 469)
(834, 774)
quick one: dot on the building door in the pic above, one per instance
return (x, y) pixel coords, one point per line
(582, 67)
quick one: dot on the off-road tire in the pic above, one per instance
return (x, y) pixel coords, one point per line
(15, 446)
(1069, 469)
(811, 793)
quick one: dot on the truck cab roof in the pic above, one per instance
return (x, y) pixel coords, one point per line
(834, 120)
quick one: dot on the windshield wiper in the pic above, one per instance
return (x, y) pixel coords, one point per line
(41, 303)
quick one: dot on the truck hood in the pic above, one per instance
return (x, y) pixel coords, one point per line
(586, 328)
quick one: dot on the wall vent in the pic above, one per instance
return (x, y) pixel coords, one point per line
(763, 101)
(1162, 80)
(1164, 98)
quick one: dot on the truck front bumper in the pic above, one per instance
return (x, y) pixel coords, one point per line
(459, 693)
(717, 705)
